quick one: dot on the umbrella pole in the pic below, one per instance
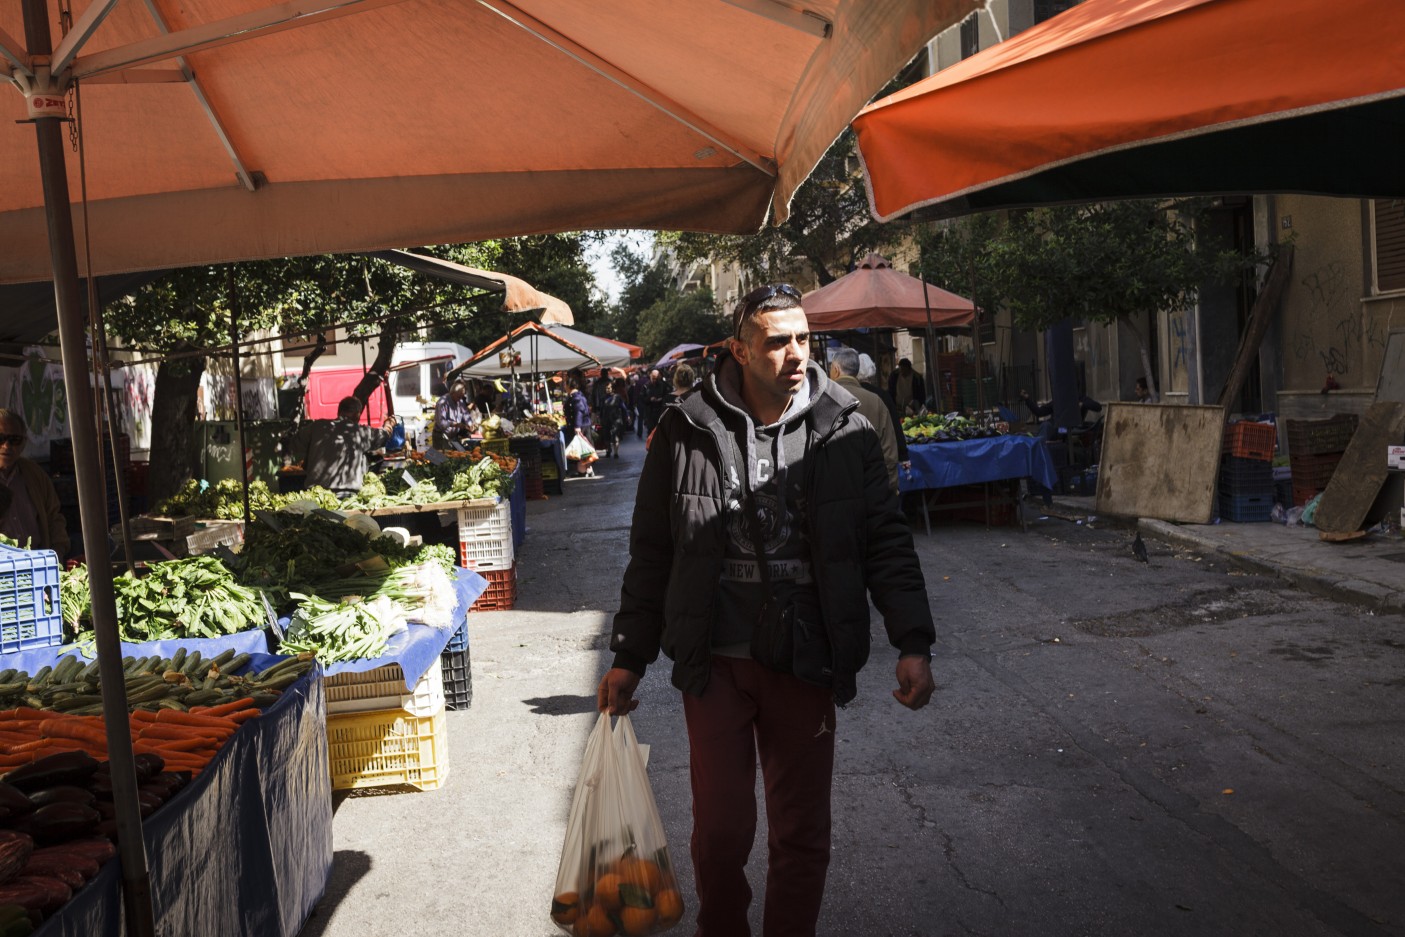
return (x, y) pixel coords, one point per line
(934, 389)
(239, 392)
(136, 882)
(976, 344)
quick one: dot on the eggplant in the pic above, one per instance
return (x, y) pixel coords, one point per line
(13, 803)
(64, 793)
(74, 767)
(62, 821)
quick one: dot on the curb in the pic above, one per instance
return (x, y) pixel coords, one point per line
(1319, 582)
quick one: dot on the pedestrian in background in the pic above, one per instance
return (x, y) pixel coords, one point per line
(612, 417)
(844, 371)
(763, 516)
(868, 380)
(655, 396)
(907, 388)
(29, 505)
(684, 378)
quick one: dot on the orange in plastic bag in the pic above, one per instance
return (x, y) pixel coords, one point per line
(616, 875)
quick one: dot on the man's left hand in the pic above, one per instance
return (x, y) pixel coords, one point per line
(915, 686)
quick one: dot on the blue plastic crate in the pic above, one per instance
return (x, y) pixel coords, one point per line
(1246, 509)
(30, 615)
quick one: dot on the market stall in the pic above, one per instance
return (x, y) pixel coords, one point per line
(262, 807)
(991, 462)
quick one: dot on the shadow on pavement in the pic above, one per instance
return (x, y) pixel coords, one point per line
(561, 705)
(349, 866)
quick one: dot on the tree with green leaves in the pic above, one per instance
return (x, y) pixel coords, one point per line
(1107, 262)
(191, 313)
(644, 283)
(830, 228)
(680, 318)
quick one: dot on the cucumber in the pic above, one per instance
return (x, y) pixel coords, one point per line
(178, 658)
(7, 675)
(223, 658)
(89, 672)
(192, 665)
(235, 664)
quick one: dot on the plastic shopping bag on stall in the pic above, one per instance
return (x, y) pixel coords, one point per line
(616, 875)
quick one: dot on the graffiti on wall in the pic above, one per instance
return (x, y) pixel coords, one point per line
(1326, 291)
(37, 393)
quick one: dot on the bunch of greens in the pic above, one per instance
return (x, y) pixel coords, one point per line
(429, 483)
(195, 597)
(225, 499)
(348, 629)
(74, 596)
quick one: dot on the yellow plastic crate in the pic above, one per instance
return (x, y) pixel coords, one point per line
(385, 748)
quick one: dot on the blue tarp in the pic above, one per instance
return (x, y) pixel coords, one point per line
(246, 848)
(972, 461)
(419, 647)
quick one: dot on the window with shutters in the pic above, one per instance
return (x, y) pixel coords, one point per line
(970, 36)
(1389, 218)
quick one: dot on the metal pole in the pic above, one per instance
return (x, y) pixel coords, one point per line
(136, 884)
(976, 343)
(934, 390)
(119, 480)
(238, 391)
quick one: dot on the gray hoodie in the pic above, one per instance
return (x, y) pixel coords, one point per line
(769, 507)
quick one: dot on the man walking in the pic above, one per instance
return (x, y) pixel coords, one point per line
(844, 371)
(656, 394)
(763, 516)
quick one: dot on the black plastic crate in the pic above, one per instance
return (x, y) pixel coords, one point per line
(1246, 470)
(1244, 509)
(458, 679)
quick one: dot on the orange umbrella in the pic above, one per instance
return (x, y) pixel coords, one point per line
(875, 295)
(1123, 98)
(226, 130)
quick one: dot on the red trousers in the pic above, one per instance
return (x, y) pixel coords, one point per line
(745, 710)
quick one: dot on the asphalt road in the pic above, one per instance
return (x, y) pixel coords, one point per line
(1176, 748)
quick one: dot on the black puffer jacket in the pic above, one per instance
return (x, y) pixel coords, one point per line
(858, 538)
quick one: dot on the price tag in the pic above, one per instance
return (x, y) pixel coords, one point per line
(409, 479)
(435, 457)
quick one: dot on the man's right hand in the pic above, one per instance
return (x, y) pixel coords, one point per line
(616, 692)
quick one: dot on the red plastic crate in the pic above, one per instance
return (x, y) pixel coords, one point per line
(501, 593)
(1314, 471)
(1302, 495)
(1249, 440)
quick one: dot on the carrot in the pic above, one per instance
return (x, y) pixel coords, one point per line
(25, 713)
(38, 744)
(192, 744)
(225, 709)
(175, 717)
(16, 761)
(77, 728)
(158, 731)
(244, 715)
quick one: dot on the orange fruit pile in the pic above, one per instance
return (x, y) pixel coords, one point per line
(632, 896)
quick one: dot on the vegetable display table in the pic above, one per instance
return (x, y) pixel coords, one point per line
(245, 848)
(974, 462)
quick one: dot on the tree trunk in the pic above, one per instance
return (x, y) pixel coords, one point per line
(173, 426)
(380, 367)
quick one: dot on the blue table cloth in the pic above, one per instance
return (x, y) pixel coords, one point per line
(973, 461)
(245, 848)
(419, 646)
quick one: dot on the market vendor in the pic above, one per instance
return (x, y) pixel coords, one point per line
(454, 416)
(336, 453)
(29, 506)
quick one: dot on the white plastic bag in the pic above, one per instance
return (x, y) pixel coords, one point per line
(580, 448)
(616, 875)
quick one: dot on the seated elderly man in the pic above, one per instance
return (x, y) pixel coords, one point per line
(29, 506)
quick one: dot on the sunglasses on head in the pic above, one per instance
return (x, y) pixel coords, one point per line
(752, 301)
(12, 439)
